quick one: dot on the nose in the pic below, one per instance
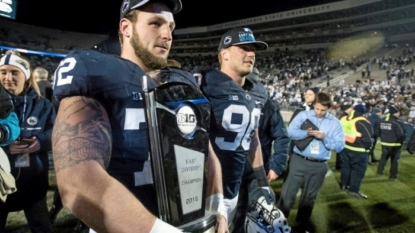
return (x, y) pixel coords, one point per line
(166, 33)
(8, 76)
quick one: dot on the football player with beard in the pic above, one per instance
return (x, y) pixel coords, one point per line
(236, 109)
(100, 142)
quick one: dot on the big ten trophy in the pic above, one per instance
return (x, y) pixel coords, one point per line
(178, 116)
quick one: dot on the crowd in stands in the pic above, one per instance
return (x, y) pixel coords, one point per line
(286, 74)
(395, 87)
(387, 6)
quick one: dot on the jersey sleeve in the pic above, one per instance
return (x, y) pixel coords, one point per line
(71, 77)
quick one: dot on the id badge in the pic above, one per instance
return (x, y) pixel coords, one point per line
(314, 148)
(22, 160)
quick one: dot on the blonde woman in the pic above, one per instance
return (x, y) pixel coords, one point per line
(28, 154)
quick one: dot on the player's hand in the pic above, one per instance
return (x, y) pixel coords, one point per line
(221, 224)
(268, 193)
(272, 175)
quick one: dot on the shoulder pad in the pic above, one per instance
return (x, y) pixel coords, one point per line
(83, 72)
(258, 90)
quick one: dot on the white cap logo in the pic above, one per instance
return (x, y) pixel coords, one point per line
(186, 120)
(227, 40)
(125, 5)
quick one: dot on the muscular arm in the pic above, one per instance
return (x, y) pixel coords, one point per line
(81, 143)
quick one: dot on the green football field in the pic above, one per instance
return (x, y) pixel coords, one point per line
(390, 206)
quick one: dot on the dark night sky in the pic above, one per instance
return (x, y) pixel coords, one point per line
(103, 16)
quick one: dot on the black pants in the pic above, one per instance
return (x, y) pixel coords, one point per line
(390, 152)
(36, 215)
(338, 165)
(353, 169)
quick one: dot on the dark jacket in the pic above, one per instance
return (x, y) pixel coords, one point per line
(374, 121)
(301, 108)
(271, 130)
(45, 89)
(36, 116)
(391, 130)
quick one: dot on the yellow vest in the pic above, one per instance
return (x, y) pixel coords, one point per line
(350, 130)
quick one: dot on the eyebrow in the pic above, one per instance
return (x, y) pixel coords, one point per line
(159, 17)
(12, 69)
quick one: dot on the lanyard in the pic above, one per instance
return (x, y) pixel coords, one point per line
(22, 117)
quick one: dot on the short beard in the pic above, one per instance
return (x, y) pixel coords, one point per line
(149, 60)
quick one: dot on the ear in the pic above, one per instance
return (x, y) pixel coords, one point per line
(225, 54)
(126, 27)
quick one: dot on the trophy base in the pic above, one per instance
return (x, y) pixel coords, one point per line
(202, 225)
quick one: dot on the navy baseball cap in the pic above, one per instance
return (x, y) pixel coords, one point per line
(128, 5)
(240, 36)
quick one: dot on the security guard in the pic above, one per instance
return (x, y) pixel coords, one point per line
(354, 158)
(392, 136)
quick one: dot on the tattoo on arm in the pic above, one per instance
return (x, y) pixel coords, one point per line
(81, 132)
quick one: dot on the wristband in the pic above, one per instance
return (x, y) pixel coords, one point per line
(261, 176)
(215, 205)
(162, 227)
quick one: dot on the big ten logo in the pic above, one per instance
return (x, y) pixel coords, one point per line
(186, 118)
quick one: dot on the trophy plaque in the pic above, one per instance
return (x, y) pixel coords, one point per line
(178, 118)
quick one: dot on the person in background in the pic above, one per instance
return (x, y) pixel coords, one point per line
(391, 131)
(308, 168)
(358, 136)
(346, 108)
(309, 97)
(28, 154)
(374, 120)
(9, 123)
(274, 144)
(45, 87)
(409, 130)
(236, 109)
